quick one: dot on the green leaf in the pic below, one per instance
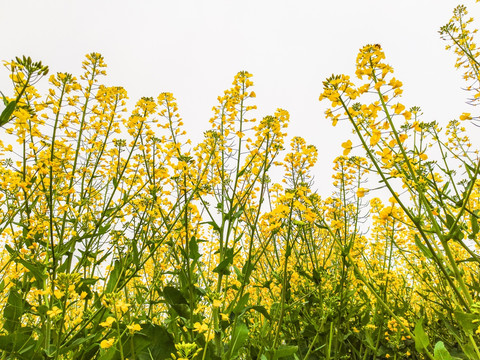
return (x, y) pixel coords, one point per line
(13, 311)
(37, 270)
(176, 300)
(238, 273)
(440, 352)
(5, 100)
(239, 336)
(224, 266)
(421, 339)
(213, 224)
(74, 343)
(247, 271)
(100, 260)
(110, 354)
(153, 342)
(475, 227)
(468, 322)
(237, 214)
(468, 350)
(285, 350)
(193, 252)
(369, 340)
(88, 352)
(259, 309)
(21, 345)
(241, 304)
(114, 278)
(10, 250)
(7, 112)
(450, 221)
(173, 296)
(425, 251)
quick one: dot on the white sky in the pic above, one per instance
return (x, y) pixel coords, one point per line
(194, 48)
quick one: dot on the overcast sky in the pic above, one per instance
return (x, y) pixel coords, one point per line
(194, 48)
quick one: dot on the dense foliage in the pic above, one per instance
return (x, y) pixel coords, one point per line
(121, 240)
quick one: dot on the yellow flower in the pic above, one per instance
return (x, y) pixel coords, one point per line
(379, 84)
(122, 306)
(105, 344)
(347, 146)
(465, 116)
(386, 155)
(403, 137)
(394, 83)
(376, 134)
(200, 327)
(398, 108)
(108, 322)
(209, 336)
(361, 192)
(134, 327)
(217, 303)
(416, 126)
(385, 213)
(335, 119)
(54, 312)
